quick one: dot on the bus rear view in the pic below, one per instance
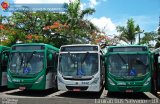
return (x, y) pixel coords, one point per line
(80, 68)
(128, 69)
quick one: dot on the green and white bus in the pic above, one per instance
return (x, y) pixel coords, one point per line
(4, 54)
(32, 66)
(128, 69)
(80, 68)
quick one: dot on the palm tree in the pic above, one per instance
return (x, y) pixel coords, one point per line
(129, 32)
(79, 27)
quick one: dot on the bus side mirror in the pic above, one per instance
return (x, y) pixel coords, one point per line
(5, 58)
(158, 59)
(50, 57)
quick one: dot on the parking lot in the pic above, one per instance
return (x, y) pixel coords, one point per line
(16, 96)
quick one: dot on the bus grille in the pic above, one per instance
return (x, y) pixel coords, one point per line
(83, 88)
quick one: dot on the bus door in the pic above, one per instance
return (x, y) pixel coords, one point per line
(3, 67)
(51, 72)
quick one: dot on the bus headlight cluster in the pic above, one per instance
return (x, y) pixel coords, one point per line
(8, 78)
(95, 81)
(110, 81)
(147, 81)
(40, 79)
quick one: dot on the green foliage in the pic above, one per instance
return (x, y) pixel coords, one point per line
(80, 29)
(148, 36)
(129, 32)
(158, 42)
(29, 26)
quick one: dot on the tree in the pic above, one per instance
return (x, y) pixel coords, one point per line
(28, 26)
(72, 26)
(129, 32)
(79, 27)
(149, 36)
(52, 28)
(158, 42)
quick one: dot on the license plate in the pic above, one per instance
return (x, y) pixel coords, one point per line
(22, 88)
(76, 90)
(129, 90)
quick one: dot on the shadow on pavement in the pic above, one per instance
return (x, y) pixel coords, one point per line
(33, 93)
(82, 95)
(3, 89)
(123, 95)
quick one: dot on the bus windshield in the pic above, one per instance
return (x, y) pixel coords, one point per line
(26, 62)
(124, 65)
(78, 64)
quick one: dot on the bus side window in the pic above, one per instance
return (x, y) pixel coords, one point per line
(4, 60)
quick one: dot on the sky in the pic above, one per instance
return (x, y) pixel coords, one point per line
(112, 13)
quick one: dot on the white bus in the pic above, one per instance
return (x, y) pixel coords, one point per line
(80, 68)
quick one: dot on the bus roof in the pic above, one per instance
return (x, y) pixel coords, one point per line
(128, 48)
(32, 44)
(2, 47)
(80, 45)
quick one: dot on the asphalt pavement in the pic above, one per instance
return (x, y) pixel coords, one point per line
(16, 96)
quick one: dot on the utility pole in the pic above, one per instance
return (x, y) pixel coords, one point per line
(141, 31)
(139, 38)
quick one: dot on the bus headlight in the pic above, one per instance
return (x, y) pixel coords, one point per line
(40, 79)
(147, 81)
(95, 81)
(8, 78)
(110, 81)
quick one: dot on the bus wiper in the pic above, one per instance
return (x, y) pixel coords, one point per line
(84, 58)
(71, 57)
(80, 71)
(26, 64)
(122, 58)
(30, 57)
(139, 61)
(21, 61)
(73, 60)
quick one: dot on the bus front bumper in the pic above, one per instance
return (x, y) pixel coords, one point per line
(115, 88)
(25, 84)
(90, 88)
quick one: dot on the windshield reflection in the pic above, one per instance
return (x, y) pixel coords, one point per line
(26, 62)
(128, 65)
(78, 64)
